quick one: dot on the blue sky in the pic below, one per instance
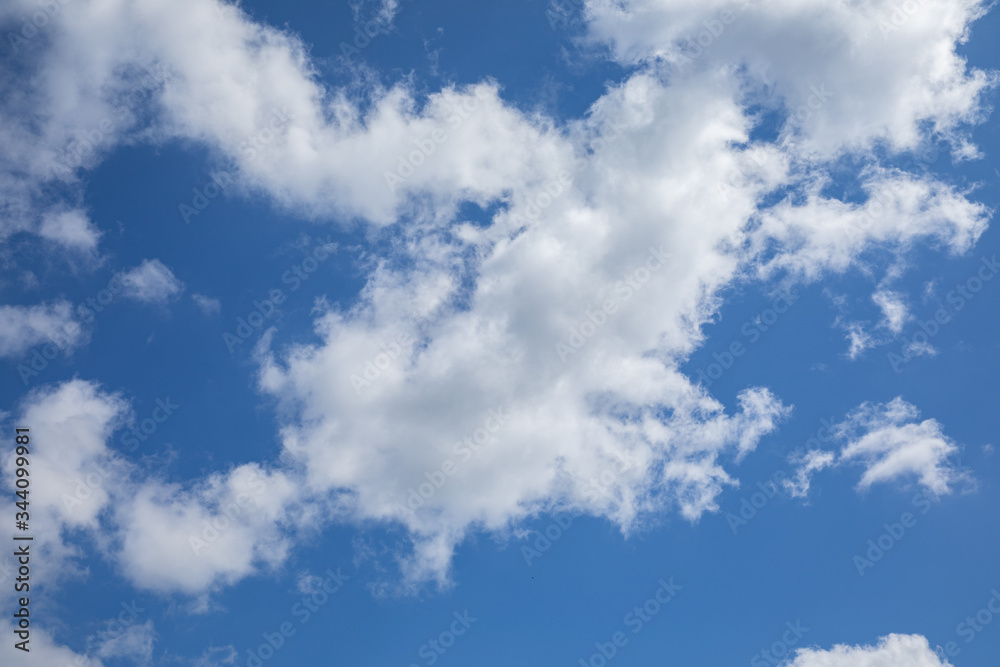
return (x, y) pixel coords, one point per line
(551, 333)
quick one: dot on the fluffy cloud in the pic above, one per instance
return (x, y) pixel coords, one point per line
(194, 539)
(891, 444)
(164, 537)
(72, 229)
(491, 372)
(23, 327)
(891, 651)
(817, 56)
(151, 282)
(71, 467)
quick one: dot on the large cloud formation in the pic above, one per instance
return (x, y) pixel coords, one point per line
(488, 373)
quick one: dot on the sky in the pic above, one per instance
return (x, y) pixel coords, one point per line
(579, 332)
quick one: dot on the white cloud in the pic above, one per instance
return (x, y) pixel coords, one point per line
(889, 441)
(798, 47)
(612, 428)
(164, 537)
(134, 643)
(216, 532)
(214, 656)
(859, 339)
(23, 327)
(308, 584)
(808, 463)
(894, 312)
(71, 467)
(891, 651)
(207, 304)
(70, 228)
(891, 444)
(151, 282)
(44, 650)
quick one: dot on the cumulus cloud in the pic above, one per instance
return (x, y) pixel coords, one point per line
(805, 49)
(890, 442)
(71, 467)
(216, 532)
(891, 651)
(23, 327)
(490, 372)
(164, 537)
(70, 228)
(151, 282)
